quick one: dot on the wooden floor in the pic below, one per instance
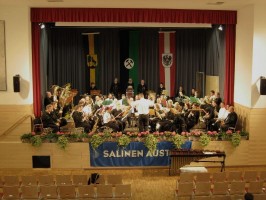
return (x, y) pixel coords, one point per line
(147, 184)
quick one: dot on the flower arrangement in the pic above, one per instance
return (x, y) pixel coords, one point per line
(149, 139)
(204, 140)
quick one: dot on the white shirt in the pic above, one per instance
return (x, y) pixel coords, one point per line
(143, 105)
(222, 113)
(87, 109)
(106, 117)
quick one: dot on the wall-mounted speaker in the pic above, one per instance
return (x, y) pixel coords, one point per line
(16, 83)
(262, 86)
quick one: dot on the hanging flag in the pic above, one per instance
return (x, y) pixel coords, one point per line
(92, 57)
(167, 60)
(129, 57)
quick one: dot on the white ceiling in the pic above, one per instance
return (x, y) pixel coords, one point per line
(171, 4)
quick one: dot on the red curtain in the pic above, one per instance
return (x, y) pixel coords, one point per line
(229, 64)
(132, 15)
(229, 18)
(35, 32)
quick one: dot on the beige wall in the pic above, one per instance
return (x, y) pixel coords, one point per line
(18, 54)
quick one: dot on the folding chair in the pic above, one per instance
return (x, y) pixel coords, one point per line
(63, 180)
(250, 176)
(86, 192)
(123, 191)
(28, 180)
(101, 179)
(114, 179)
(184, 190)
(48, 192)
(104, 191)
(29, 192)
(46, 180)
(80, 180)
(11, 192)
(219, 177)
(202, 189)
(220, 188)
(237, 187)
(255, 187)
(234, 176)
(11, 181)
(186, 177)
(67, 192)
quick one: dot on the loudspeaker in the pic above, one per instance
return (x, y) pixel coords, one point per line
(41, 162)
(263, 86)
(16, 83)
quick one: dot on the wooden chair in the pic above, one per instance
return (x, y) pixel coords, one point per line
(29, 192)
(185, 177)
(63, 180)
(219, 177)
(234, 176)
(250, 176)
(237, 187)
(260, 196)
(255, 187)
(184, 190)
(46, 180)
(80, 180)
(11, 192)
(67, 192)
(28, 180)
(48, 192)
(104, 191)
(101, 180)
(123, 191)
(221, 197)
(262, 176)
(11, 181)
(202, 177)
(114, 179)
(202, 189)
(237, 197)
(220, 188)
(86, 192)
(202, 198)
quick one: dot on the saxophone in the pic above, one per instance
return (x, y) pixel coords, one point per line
(94, 128)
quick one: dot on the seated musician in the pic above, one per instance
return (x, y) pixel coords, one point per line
(56, 114)
(80, 119)
(209, 115)
(230, 120)
(110, 121)
(48, 99)
(160, 89)
(48, 120)
(119, 112)
(142, 88)
(180, 93)
(192, 116)
(222, 114)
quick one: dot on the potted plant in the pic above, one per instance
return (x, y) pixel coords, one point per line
(236, 139)
(204, 140)
(36, 140)
(96, 140)
(151, 142)
(62, 142)
(178, 140)
(123, 141)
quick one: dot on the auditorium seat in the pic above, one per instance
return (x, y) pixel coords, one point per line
(203, 198)
(104, 191)
(86, 192)
(250, 176)
(262, 176)
(255, 187)
(28, 180)
(234, 176)
(11, 181)
(219, 177)
(81, 179)
(202, 189)
(48, 192)
(1, 182)
(237, 197)
(11, 192)
(29, 192)
(220, 188)
(101, 179)
(260, 196)
(63, 180)
(202, 177)
(122, 191)
(184, 191)
(186, 177)
(46, 180)
(237, 187)
(221, 197)
(67, 192)
(114, 179)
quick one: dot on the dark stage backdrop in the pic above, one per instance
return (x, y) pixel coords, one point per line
(64, 50)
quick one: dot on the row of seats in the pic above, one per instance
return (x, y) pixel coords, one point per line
(230, 176)
(57, 180)
(224, 197)
(68, 192)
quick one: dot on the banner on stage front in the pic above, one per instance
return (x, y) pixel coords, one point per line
(135, 154)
